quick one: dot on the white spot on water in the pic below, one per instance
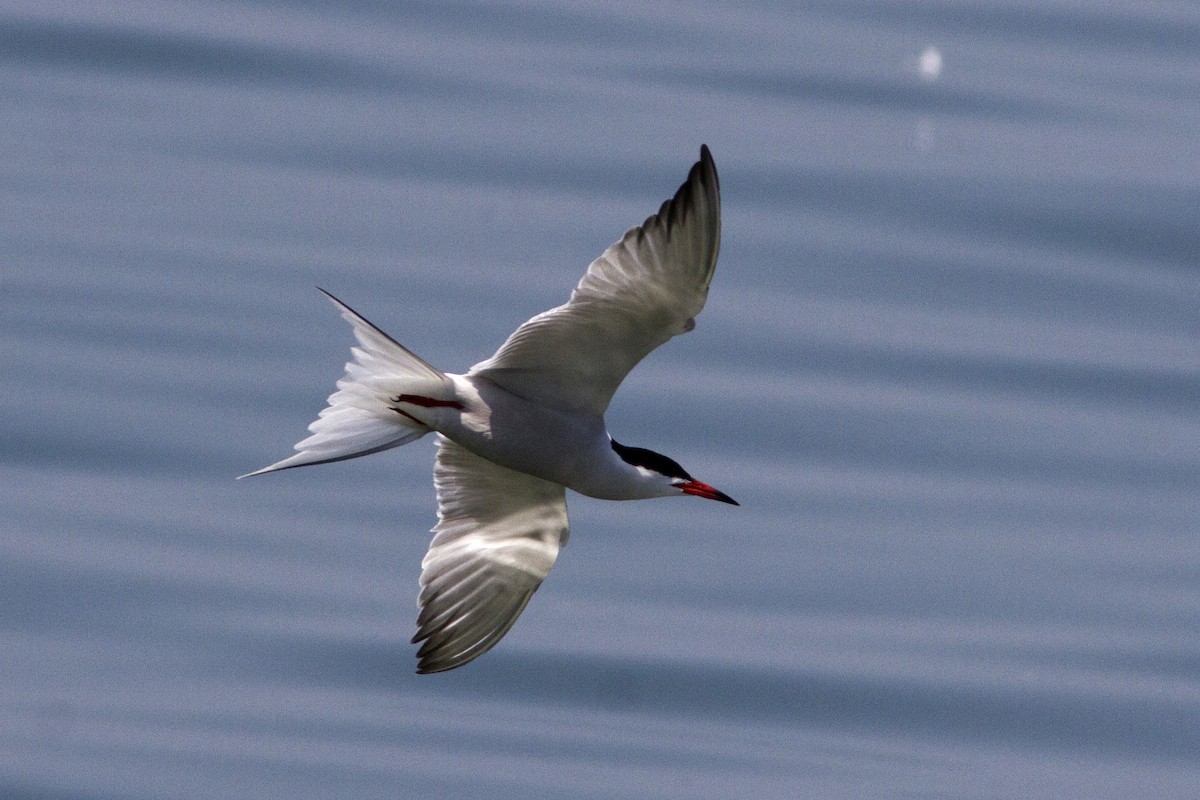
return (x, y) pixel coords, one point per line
(929, 64)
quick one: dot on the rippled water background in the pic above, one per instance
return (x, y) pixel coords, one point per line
(950, 366)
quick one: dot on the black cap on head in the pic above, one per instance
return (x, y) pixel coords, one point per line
(641, 457)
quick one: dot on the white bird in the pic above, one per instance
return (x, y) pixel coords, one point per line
(521, 427)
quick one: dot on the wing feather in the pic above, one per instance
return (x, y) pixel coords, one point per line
(498, 535)
(646, 288)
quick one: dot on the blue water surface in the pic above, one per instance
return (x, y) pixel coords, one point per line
(950, 366)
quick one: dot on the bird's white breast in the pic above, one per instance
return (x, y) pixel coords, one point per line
(569, 448)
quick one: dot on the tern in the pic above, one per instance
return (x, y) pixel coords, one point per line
(520, 428)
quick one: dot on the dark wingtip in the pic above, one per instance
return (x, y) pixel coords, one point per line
(707, 164)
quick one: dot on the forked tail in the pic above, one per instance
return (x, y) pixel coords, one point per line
(360, 418)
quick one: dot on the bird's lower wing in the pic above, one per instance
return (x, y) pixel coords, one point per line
(497, 537)
(643, 290)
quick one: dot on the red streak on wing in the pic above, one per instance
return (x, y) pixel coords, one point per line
(427, 402)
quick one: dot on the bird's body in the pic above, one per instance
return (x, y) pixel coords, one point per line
(524, 425)
(569, 448)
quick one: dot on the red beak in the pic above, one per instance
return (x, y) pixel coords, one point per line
(704, 490)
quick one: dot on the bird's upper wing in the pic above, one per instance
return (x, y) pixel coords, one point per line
(497, 537)
(643, 290)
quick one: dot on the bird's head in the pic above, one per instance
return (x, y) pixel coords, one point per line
(666, 473)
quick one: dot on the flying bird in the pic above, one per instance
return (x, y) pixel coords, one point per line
(520, 428)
